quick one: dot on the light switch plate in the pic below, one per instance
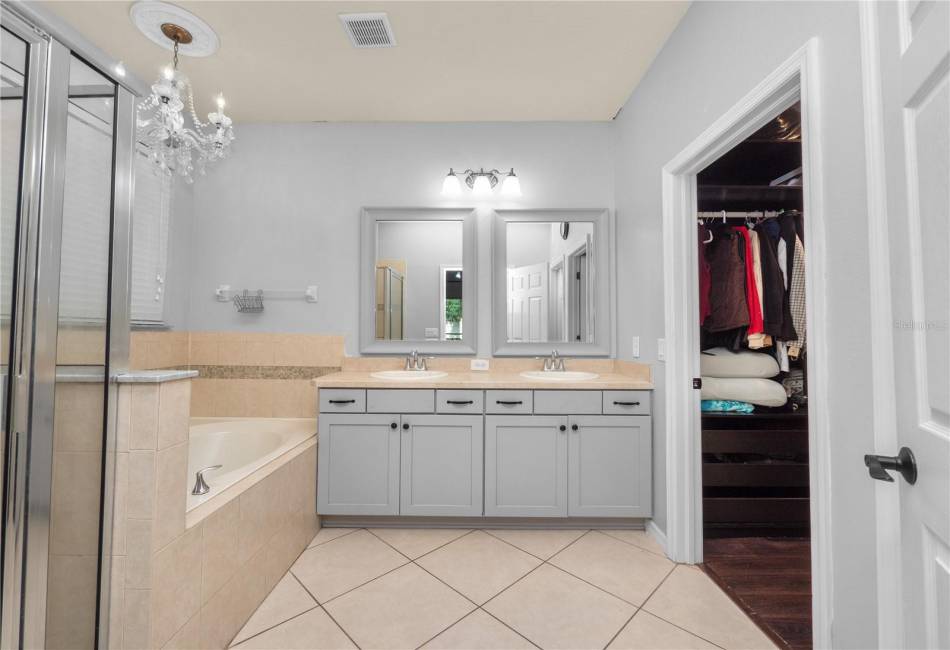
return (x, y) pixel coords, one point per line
(635, 347)
(432, 333)
(479, 364)
(661, 349)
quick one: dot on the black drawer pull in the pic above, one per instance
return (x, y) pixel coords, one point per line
(343, 401)
(508, 403)
(626, 403)
(460, 402)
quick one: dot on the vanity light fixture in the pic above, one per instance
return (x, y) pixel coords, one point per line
(481, 182)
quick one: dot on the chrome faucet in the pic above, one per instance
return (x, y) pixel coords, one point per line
(554, 363)
(200, 486)
(416, 362)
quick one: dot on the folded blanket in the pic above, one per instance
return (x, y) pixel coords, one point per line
(721, 362)
(725, 406)
(761, 392)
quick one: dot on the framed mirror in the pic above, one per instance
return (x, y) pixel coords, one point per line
(552, 282)
(417, 277)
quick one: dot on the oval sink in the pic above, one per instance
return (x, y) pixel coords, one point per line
(408, 375)
(560, 375)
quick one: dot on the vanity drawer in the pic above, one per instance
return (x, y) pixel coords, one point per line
(627, 402)
(342, 400)
(459, 401)
(508, 401)
(397, 400)
(568, 402)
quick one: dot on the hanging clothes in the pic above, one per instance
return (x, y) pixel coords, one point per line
(752, 295)
(704, 279)
(797, 300)
(773, 281)
(759, 339)
(727, 292)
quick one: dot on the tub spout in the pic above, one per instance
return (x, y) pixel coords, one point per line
(200, 486)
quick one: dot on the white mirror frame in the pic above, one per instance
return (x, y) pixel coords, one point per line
(604, 343)
(369, 217)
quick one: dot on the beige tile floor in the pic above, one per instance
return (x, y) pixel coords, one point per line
(494, 589)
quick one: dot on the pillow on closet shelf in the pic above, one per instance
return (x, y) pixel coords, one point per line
(722, 362)
(755, 390)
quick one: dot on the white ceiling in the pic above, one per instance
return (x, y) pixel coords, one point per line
(455, 61)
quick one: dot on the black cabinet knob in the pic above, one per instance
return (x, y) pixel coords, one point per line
(405, 425)
(393, 426)
(562, 428)
(573, 427)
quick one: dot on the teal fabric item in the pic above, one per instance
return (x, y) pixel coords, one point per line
(726, 406)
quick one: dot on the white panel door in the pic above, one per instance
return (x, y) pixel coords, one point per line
(914, 50)
(528, 303)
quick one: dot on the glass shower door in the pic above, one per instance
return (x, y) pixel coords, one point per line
(67, 137)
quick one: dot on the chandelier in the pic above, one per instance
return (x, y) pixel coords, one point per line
(174, 147)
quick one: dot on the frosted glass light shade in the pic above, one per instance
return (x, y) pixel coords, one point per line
(511, 186)
(451, 185)
(482, 186)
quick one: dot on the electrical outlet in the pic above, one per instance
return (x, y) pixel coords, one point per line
(661, 349)
(479, 364)
(635, 347)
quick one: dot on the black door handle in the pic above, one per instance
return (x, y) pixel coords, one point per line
(904, 462)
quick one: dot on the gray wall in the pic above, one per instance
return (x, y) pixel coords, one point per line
(283, 210)
(719, 52)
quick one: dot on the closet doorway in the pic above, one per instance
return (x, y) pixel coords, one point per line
(751, 257)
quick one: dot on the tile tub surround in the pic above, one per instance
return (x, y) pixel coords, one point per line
(177, 585)
(438, 588)
(243, 374)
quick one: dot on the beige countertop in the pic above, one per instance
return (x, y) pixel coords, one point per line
(484, 380)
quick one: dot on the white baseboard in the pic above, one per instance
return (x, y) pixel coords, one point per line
(658, 535)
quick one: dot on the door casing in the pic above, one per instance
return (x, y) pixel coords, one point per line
(794, 80)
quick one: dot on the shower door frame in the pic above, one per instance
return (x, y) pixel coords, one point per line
(35, 321)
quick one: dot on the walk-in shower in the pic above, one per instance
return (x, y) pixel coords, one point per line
(65, 194)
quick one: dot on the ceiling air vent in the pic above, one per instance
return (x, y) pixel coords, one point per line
(368, 30)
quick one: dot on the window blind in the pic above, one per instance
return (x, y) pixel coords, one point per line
(150, 216)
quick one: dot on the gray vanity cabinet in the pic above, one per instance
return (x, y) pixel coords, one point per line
(609, 460)
(525, 466)
(358, 470)
(441, 465)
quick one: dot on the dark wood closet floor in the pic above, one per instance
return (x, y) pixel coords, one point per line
(770, 578)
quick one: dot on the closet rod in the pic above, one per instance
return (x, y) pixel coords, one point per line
(746, 214)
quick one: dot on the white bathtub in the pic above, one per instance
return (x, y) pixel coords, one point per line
(241, 446)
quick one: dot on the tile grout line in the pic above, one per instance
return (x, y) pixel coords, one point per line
(268, 629)
(642, 548)
(329, 540)
(680, 627)
(583, 532)
(509, 627)
(337, 623)
(640, 608)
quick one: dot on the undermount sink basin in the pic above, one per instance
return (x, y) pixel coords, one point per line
(408, 375)
(560, 375)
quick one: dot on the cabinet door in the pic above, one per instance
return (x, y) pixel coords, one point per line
(441, 465)
(525, 466)
(358, 464)
(609, 466)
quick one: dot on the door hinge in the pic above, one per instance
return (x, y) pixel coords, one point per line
(697, 383)
(578, 275)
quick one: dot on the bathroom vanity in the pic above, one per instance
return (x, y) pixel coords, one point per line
(484, 444)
